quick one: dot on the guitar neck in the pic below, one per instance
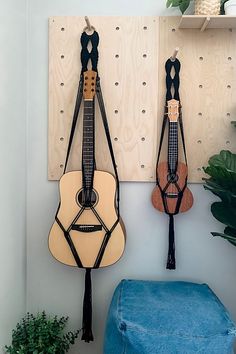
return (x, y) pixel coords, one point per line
(88, 144)
(173, 147)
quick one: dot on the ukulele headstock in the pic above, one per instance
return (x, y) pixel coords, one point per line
(89, 87)
(173, 110)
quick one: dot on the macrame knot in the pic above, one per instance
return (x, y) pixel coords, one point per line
(172, 80)
(93, 54)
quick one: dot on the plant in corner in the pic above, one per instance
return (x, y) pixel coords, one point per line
(41, 334)
(222, 183)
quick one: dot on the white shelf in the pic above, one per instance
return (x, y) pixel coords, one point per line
(203, 22)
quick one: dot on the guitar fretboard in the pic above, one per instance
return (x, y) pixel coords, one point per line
(173, 147)
(88, 143)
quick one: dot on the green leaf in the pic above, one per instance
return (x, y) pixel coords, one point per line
(224, 213)
(225, 159)
(222, 177)
(168, 3)
(230, 231)
(184, 5)
(232, 240)
(224, 194)
(176, 3)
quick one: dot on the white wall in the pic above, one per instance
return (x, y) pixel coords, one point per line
(13, 164)
(59, 289)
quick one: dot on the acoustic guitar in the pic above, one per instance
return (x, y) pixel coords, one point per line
(171, 195)
(87, 212)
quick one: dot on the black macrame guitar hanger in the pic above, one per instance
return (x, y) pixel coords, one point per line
(172, 68)
(86, 58)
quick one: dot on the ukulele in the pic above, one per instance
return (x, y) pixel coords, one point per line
(171, 195)
(87, 231)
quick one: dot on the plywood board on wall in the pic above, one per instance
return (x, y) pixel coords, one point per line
(128, 62)
(133, 51)
(208, 88)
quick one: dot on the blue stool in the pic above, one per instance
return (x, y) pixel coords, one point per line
(148, 317)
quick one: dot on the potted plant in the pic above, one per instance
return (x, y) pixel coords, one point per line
(228, 7)
(202, 7)
(222, 183)
(41, 334)
(182, 4)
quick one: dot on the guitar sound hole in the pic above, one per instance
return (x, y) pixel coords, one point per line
(92, 199)
(172, 177)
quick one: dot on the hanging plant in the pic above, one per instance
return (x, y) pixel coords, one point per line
(41, 334)
(222, 183)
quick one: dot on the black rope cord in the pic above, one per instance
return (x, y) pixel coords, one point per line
(172, 82)
(87, 56)
(172, 92)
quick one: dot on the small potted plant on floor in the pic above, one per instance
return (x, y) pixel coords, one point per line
(222, 183)
(41, 334)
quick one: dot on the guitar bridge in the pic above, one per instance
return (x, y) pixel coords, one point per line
(86, 228)
(172, 195)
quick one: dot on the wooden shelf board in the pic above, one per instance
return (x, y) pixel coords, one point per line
(197, 21)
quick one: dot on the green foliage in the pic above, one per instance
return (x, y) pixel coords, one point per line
(41, 334)
(182, 4)
(222, 182)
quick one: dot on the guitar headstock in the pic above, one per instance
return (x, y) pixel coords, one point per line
(173, 110)
(89, 87)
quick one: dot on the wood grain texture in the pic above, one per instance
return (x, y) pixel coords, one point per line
(130, 56)
(187, 199)
(207, 89)
(87, 244)
(128, 62)
(89, 84)
(197, 21)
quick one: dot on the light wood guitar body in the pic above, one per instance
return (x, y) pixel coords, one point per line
(172, 191)
(87, 244)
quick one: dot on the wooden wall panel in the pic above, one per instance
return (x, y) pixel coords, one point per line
(133, 51)
(208, 88)
(128, 61)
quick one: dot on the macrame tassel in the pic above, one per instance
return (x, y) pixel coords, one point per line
(171, 251)
(87, 335)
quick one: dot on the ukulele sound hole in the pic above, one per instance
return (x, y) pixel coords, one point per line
(172, 178)
(92, 199)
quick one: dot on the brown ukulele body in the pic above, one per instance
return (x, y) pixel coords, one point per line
(172, 190)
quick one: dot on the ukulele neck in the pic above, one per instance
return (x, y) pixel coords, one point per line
(88, 159)
(173, 147)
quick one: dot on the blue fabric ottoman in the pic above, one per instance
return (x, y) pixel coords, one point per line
(148, 317)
